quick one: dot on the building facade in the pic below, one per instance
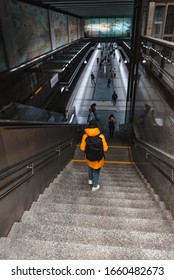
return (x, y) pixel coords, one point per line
(160, 22)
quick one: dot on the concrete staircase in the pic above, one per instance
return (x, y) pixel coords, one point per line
(125, 219)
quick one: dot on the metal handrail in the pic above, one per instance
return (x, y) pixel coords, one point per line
(158, 41)
(151, 151)
(13, 124)
(162, 71)
(32, 166)
(148, 152)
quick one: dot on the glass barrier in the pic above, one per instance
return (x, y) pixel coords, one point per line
(21, 112)
(154, 110)
(159, 57)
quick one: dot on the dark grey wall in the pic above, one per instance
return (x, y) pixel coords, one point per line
(22, 148)
(161, 184)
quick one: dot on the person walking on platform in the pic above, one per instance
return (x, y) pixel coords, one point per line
(93, 109)
(92, 78)
(138, 77)
(111, 123)
(90, 116)
(105, 69)
(114, 73)
(100, 65)
(94, 145)
(109, 83)
(114, 98)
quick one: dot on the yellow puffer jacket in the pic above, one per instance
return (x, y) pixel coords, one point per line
(93, 132)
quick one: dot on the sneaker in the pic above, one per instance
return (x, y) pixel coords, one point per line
(90, 182)
(96, 188)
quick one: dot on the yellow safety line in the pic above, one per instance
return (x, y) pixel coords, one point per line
(106, 161)
(119, 162)
(119, 147)
(115, 147)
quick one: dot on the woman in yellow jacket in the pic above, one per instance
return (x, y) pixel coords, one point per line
(93, 166)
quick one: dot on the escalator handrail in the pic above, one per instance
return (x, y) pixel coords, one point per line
(15, 124)
(68, 83)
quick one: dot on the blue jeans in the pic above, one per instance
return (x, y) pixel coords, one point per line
(94, 175)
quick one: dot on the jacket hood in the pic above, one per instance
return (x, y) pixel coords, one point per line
(92, 131)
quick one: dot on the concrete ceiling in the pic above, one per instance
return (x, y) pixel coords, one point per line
(88, 8)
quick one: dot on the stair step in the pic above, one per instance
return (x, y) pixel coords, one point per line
(86, 192)
(113, 176)
(103, 182)
(25, 249)
(110, 166)
(98, 210)
(102, 201)
(113, 189)
(104, 179)
(95, 221)
(103, 171)
(73, 234)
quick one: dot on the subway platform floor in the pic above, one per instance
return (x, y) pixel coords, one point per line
(88, 93)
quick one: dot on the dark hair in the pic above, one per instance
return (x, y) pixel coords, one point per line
(92, 123)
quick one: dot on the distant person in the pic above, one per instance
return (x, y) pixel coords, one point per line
(94, 145)
(93, 109)
(100, 65)
(142, 117)
(109, 83)
(92, 78)
(138, 77)
(114, 98)
(114, 73)
(90, 116)
(111, 123)
(119, 60)
(104, 68)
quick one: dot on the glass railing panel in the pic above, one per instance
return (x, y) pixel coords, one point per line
(159, 56)
(21, 112)
(154, 110)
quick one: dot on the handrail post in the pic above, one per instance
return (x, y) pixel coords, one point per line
(172, 175)
(147, 154)
(58, 151)
(31, 166)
